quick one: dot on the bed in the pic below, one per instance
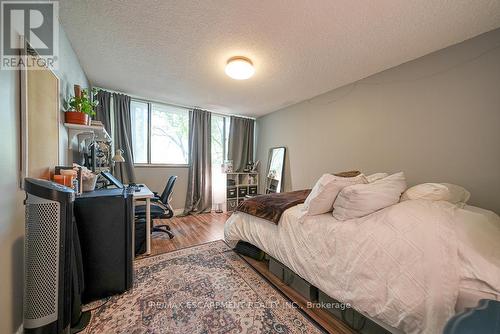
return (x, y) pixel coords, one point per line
(408, 267)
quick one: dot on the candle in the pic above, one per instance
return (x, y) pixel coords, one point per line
(59, 179)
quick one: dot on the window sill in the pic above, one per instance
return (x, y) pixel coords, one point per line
(161, 166)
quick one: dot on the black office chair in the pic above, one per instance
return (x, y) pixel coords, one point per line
(160, 208)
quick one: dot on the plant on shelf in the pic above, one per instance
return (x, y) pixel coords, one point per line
(81, 107)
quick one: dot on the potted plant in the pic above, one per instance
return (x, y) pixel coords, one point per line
(81, 107)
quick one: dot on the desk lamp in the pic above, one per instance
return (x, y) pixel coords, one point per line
(118, 158)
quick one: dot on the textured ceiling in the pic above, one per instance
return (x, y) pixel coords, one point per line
(175, 51)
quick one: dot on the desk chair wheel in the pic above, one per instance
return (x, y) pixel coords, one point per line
(164, 229)
(163, 226)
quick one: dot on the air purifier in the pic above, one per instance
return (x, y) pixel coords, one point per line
(48, 257)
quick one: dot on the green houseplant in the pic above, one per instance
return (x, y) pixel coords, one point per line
(81, 106)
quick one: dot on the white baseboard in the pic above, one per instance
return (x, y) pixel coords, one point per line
(178, 212)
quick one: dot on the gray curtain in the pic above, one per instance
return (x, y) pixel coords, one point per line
(199, 192)
(240, 143)
(123, 136)
(103, 112)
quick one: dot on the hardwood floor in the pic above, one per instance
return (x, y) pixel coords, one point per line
(189, 231)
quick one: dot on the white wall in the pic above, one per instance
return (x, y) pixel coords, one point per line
(11, 198)
(436, 118)
(156, 179)
(11, 208)
(70, 73)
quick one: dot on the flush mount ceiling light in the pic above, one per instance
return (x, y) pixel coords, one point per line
(239, 68)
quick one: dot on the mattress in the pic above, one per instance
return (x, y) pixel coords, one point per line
(290, 242)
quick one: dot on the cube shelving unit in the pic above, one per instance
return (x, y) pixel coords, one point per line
(240, 185)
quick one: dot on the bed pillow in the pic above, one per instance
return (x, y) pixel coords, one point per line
(363, 199)
(438, 192)
(377, 176)
(324, 192)
(428, 191)
(458, 194)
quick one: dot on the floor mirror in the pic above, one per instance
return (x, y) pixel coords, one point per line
(275, 170)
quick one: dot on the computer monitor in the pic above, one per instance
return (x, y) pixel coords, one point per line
(114, 181)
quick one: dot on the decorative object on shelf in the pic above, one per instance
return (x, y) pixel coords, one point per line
(228, 166)
(248, 167)
(80, 107)
(252, 179)
(255, 167)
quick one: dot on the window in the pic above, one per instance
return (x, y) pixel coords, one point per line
(220, 131)
(159, 133)
(169, 135)
(140, 126)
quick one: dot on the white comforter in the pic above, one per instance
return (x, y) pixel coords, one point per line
(402, 265)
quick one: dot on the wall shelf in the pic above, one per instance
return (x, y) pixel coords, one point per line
(98, 130)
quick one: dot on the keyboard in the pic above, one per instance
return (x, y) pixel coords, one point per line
(136, 188)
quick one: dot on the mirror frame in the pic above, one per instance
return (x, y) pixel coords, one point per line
(282, 184)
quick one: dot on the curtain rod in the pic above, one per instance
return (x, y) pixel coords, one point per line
(135, 97)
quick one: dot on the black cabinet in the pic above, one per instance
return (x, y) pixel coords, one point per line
(105, 220)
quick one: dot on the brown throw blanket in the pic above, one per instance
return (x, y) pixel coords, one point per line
(272, 206)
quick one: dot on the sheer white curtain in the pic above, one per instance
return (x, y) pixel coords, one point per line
(220, 129)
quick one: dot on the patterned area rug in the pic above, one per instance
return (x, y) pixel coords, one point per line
(202, 289)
